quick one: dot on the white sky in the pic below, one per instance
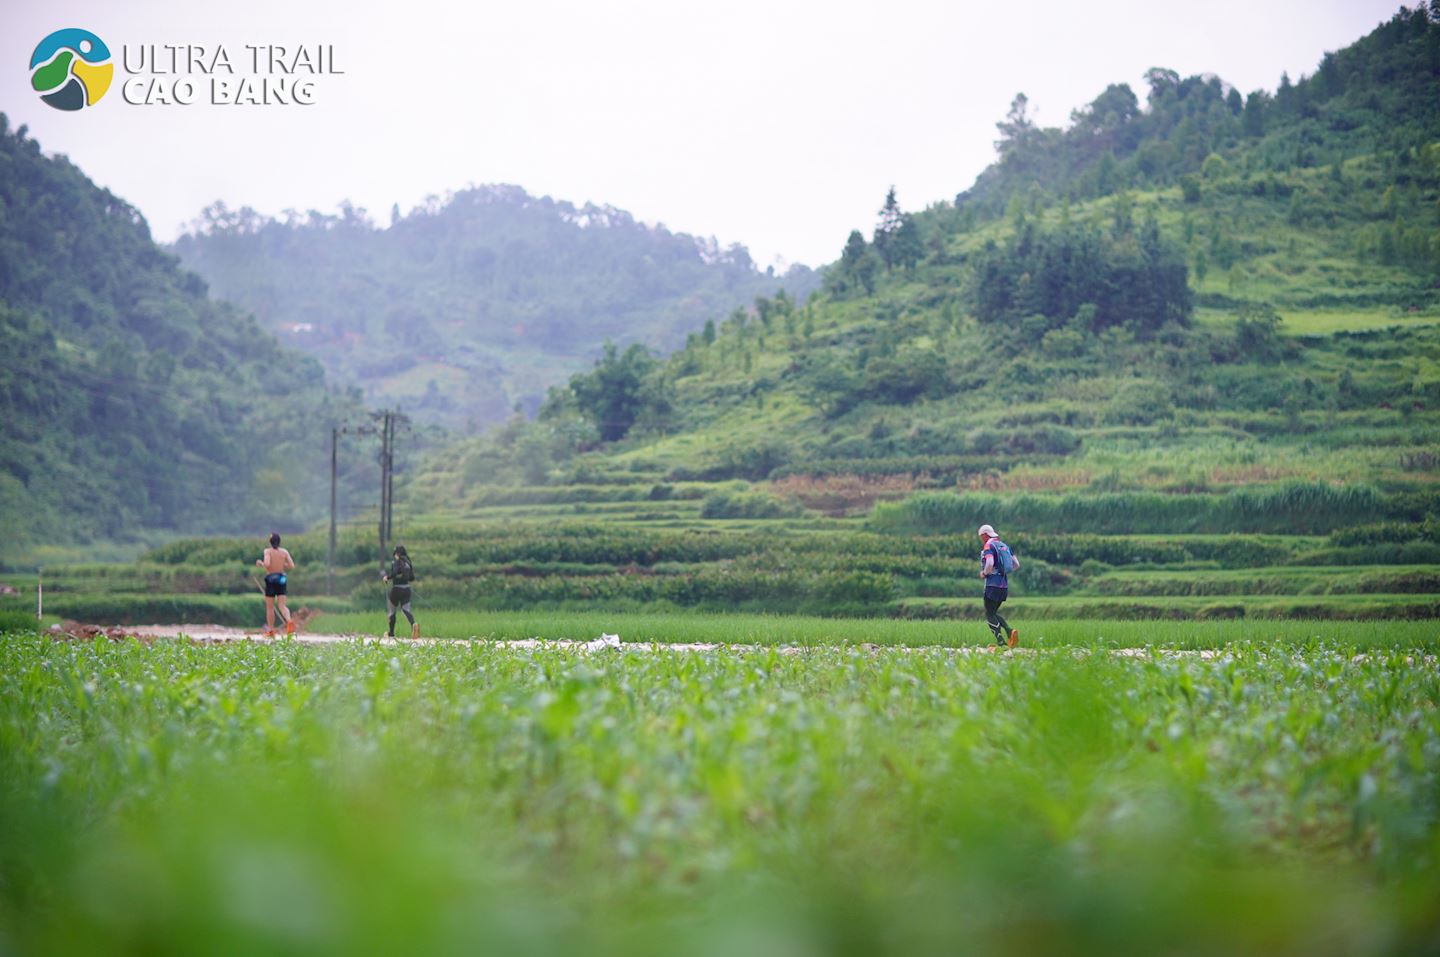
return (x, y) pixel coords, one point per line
(777, 124)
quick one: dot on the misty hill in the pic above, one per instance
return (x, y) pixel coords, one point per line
(471, 305)
(1183, 295)
(135, 405)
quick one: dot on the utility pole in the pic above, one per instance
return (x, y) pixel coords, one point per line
(393, 420)
(387, 437)
(335, 433)
(390, 485)
(390, 482)
(334, 467)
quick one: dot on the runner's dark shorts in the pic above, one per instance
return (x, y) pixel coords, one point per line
(274, 584)
(996, 594)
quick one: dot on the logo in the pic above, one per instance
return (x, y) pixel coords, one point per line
(71, 69)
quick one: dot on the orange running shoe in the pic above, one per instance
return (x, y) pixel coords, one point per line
(290, 629)
(1014, 638)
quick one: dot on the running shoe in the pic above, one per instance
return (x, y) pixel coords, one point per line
(1014, 638)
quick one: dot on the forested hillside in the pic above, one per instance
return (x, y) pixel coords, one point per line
(134, 405)
(1204, 290)
(1376, 96)
(472, 305)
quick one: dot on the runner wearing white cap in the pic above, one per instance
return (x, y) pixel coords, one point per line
(996, 563)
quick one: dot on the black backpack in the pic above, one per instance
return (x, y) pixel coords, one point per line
(404, 572)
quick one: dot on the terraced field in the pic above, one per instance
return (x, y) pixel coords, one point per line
(661, 557)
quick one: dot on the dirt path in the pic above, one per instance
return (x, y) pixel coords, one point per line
(220, 634)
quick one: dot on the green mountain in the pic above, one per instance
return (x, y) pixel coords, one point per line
(468, 307)
(135, 405)
(1204, 291)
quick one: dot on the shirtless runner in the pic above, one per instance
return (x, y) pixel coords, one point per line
(276, 561)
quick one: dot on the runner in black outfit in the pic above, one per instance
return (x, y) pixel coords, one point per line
(400, 577)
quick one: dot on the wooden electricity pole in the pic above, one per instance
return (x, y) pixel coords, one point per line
(387, 461)
(335, 433)
(393, 421)
(330, 555)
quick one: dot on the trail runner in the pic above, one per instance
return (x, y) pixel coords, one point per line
(996, 561)
(276, 562)
(400, 577)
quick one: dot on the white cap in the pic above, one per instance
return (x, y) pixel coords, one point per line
(987, 530)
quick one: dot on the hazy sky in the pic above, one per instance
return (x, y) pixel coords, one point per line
(777, 124)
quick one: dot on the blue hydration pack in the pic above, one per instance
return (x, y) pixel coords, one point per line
(1004, 560)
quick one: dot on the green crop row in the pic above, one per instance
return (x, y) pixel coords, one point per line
(1375, 553)
(1388, 533)
(1185, 608)
(622, 545)
(718, 588)
(581, 494)
(939, 469)
(1410, 581)
(1049, 631)
(458, 798)
(829, 594)
(1306, 508)
(236, 610)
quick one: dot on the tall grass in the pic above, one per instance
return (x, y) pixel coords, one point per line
(1306, 508)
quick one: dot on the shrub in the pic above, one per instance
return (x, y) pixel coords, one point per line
(938, 469)
(237, 610)
(1413, 506)
(839, 494)
(1139, 403)
(1038, 577)
(907, 377)
(1382, 553)
(553, 495)
(734, 504)
(1220, 611)
(599, 545)
(1387, 532)
(12, 621)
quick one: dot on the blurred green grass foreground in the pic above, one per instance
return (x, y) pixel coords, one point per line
(462, 798)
